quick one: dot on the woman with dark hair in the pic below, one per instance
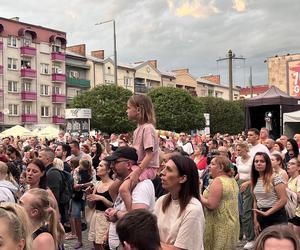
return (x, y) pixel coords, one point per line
(278, 166)
(277, 237)
(269, 194)
(292, 150)
(179, 213)
(100, 200)
(220, 200)
(96, 152)
(35, 174)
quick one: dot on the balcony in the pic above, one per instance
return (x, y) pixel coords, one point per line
(28, 51)
(58, 119)
(29, 118)
(58, 56)
(81, 83)
(28, 96)
(140, 88)
(1, 45)
(1, 117)
(56, 77)
(1, 70)
(28, 73)
(58, 98)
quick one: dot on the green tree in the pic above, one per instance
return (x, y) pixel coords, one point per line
(108, 104)
(225, 116)
(176, 110)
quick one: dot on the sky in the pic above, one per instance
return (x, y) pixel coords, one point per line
(189, 34)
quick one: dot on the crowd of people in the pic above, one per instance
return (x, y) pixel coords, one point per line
(147, 191)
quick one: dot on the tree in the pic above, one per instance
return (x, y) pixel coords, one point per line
(225, 116)
(176, 109)
(108, 104)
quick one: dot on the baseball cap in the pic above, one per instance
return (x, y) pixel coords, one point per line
(123, 152)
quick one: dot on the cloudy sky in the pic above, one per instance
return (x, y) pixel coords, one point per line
(178, 33)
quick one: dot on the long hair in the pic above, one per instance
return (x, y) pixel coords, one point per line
(47, 215)
(190, 188)
(294, 146)
(98, 152)
(144, 103)
(278, 157)
(43, 180)
(267, 177)
(18, 222)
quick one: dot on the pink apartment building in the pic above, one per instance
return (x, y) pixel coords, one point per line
(32, 75)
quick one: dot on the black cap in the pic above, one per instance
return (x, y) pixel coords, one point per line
(123, 152)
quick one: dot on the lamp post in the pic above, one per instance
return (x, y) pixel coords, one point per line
(115, 48)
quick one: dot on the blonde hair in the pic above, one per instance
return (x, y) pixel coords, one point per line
(224, 164)
(47, 214)
(3, 168)
(18, 222)
(144, 103)
(58, 163)
(243, 145)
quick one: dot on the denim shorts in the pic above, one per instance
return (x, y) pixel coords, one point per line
(76, 208)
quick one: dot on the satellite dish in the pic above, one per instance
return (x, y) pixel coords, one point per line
(6, 111)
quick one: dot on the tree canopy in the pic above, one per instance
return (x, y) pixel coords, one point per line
(108, 104)
(176, 109)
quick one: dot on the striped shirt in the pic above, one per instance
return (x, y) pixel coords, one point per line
(266, 199)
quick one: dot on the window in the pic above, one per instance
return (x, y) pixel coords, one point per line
(56, 90)
(44, 68)
(56, 48)
(26, 86)
(27, 41)
(25, 64)
(44, 89)
(127, 81)
(12, 109)
(12, 86)
(57, 70)
(45, 111)
(57, 110)
(12, 63)
(26, 109)
(74, 74)
(219, 94)
(210, 92)
(12, 41)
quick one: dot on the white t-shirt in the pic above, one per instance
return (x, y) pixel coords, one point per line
(259, 148)
(184, 231)
(143, 193)
(186, 147)
(244, 168)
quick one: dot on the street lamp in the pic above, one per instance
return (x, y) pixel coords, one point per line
(115, 47)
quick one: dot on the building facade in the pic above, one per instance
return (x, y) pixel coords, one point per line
(284, 73)
(32, 75)
(248, 92)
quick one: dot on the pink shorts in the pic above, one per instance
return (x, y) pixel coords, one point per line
(148, 173)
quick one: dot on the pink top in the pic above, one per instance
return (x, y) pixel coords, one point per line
(145, 137)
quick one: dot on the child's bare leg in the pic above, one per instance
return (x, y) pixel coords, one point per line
(125, 193)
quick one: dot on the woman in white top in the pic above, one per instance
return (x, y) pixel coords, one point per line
(243, 164)
(179, 213)
(293, 169)
(277, 164)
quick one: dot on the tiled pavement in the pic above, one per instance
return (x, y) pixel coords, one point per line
(69, 244)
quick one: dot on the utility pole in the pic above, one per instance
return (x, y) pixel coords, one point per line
(250, 82)
(230, 57)
(115, 48)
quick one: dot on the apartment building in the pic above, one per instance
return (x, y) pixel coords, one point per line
(211, 86)
(184, 80)
(32, 75)
(284, 73)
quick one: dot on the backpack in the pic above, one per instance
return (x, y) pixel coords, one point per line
(291, 204)
(67, 186)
